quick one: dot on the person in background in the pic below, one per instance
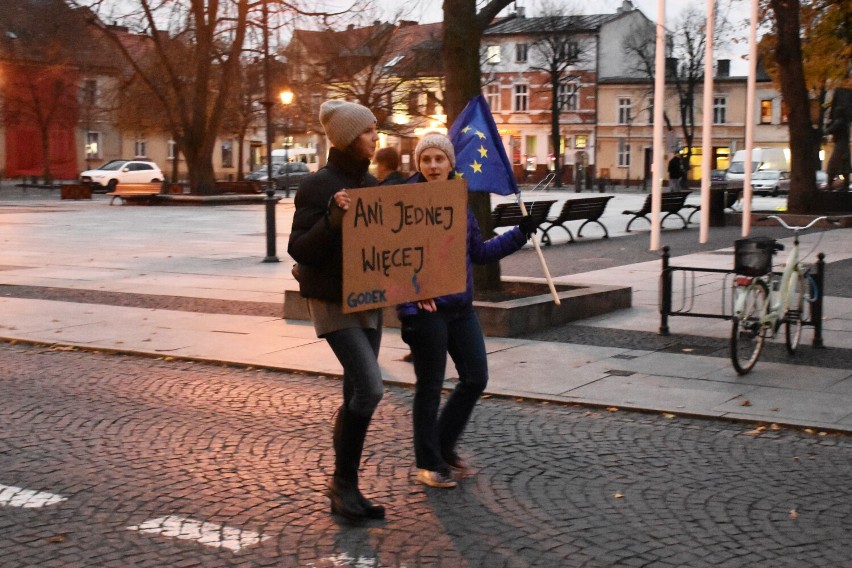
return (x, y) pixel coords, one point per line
(448, 324)
(387, 166)
(316, 245)
(676, 172)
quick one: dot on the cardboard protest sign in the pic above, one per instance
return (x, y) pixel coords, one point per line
(403, 243)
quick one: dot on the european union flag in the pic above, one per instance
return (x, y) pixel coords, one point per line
(480, 157)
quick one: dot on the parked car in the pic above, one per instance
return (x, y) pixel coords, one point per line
(717, 175)
(287, 173)
(114, 172)
(290, 174)
(770, 182)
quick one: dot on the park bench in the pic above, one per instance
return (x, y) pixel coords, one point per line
(142, 191)
(671, 203)
(509, 214)
(586, 209)
(241, 187)
(75, 191)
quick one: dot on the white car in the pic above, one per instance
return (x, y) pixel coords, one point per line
(770, 182)
(115, 172)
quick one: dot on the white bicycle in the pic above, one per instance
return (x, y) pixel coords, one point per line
(764, 300)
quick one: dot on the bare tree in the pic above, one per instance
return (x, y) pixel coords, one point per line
(560, 48)
(684, 64)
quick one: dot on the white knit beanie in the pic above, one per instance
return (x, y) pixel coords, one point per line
(435, 140)
(344, 122)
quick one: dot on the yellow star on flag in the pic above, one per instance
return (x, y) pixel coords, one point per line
(466, 129)
(483, 152)
(458, 175)
(477, 167)
(481, 135)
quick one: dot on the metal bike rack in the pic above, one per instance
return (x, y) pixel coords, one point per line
(690, 288)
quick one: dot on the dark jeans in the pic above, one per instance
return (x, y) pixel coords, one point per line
(357, 349)
(431, 336)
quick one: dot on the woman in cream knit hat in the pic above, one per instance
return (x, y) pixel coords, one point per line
(448, 324)
(316, 245)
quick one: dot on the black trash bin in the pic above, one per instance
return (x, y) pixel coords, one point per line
(717, 206)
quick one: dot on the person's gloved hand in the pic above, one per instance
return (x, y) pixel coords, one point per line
(528, 226)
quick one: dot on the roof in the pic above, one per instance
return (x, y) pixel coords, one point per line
(550, 24)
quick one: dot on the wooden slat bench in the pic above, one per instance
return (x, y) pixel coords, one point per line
(586, 209)
(241, 187)
(509, 214)
(671, 203)
(124, 191)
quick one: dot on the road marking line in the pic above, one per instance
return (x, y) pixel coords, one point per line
(12, 496)
(208, 534)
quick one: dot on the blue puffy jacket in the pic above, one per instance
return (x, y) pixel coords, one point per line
(479, 251)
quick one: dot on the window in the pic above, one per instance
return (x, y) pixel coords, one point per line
(140, 148)
(522, 97)
(393, 61)
(720, 110)
(623, 153)
(415, 102)
(521, 52)
(171, 150)
(568, 51)
(90, 92)
(492, 54)
(228, 154)
(625, 111)
(492, 95)
(766, 111)
(569, 96)
(581, 141)
(93, 146)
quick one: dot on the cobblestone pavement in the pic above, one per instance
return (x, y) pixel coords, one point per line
(117, 461)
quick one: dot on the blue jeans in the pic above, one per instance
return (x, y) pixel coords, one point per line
(431, 336)
(357, 349)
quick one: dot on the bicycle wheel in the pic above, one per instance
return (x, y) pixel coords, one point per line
(748, 334)
(801, 296)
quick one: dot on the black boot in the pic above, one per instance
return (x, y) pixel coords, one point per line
(346, 499)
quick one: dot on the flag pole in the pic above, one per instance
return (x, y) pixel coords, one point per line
(541, 258)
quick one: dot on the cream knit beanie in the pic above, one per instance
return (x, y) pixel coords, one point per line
(435, 140)
(344, 122)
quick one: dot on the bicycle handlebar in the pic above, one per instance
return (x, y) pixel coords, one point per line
(784, 224)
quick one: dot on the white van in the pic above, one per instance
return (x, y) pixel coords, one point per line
(761, 159)
(305, 155)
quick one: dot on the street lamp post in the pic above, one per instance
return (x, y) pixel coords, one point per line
(271, 201)
(286, 99)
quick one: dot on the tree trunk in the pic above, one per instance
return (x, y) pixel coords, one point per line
(803, 136)
(462, 34)
(460, 49)
(554, 130)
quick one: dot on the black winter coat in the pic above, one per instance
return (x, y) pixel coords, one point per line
(314, 244)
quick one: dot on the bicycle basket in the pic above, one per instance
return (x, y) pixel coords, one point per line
(753, 256)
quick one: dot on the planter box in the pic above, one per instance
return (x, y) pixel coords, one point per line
(75, 191)
(518, 316)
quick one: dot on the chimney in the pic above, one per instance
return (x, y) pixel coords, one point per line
(723, 68)
(521, 12)
(626, 6)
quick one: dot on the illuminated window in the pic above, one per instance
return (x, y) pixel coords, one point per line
(766, 111)
(492, 54)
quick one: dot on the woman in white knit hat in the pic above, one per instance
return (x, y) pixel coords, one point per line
(448, 324)
(316, 245)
